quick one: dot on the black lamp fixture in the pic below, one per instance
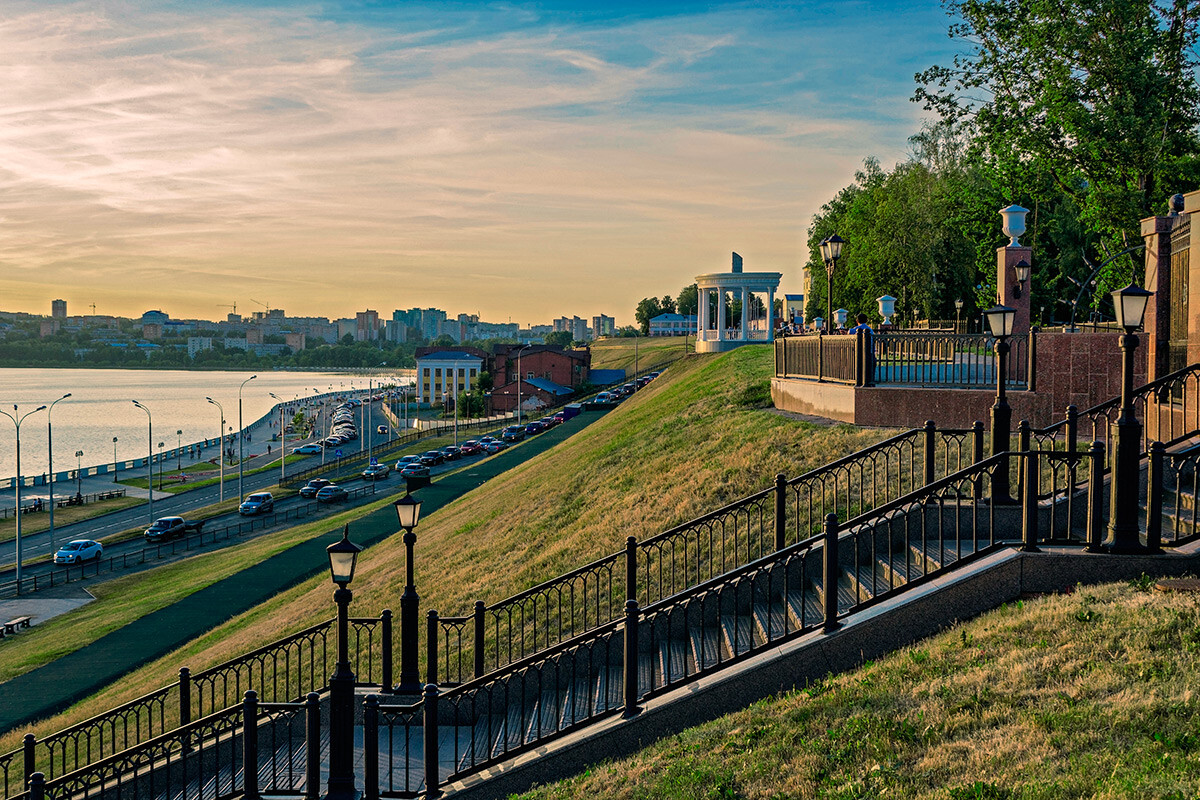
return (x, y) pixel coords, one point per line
(1000, 320)
(408, 513)
(1124, 535)
(343, 557)
(1022, 269)
(831, 251)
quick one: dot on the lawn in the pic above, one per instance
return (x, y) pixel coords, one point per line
(35, 523)
(1089, 694)
(649, 353)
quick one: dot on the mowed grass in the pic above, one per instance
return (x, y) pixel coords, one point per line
(35, 523)
(1091, 694)
(693, 440)
(651, 352)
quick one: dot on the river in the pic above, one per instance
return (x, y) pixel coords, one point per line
(101, 408)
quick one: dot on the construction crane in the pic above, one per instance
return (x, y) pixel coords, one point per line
(231, 306)
(266, 307)
(93, 307)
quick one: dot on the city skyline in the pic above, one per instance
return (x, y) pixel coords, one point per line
(502, 160)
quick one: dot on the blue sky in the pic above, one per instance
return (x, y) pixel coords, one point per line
(520, 161)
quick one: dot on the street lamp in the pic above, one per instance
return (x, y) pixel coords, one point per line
(831, 251)
(1022, 269)
(161, 445)
(1123, 533)
(282, 442)
(78, 477)
(179, 450)
(221, 443)
(149, 458)
(343, 557)
(408, 512)
(325, 422)
(958, 304)
(241, 437)
(115, 462)
(523, 349)
(50, 454)
(17, 420)
(1000, 323)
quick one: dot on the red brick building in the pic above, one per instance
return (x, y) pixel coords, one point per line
(548, 373)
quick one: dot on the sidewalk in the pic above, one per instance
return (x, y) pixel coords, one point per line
(53, 687)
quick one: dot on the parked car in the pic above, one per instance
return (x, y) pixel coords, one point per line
(470, 448)
(332, 494)
(165, 528)
(307, 449)
(310, 489)
(513, 433)
(414, 471)
(257, 503)
(550, 422)
(451, 453)
(376, 471)
(432, 458)
(534, 428)
(495, 447)
(77, 551)
(405, 461)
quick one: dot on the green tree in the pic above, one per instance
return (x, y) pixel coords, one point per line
(688, 301)
(559, 339)
(647, 309)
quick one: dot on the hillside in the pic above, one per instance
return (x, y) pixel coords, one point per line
(1091, 694)
(693, 440)
(650, 353)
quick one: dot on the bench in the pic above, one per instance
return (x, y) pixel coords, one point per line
(18, 622)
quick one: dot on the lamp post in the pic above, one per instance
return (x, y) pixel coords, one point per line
(831, 251)
(50, 455)
(1000, 322)
(17, 420)
(149, 458)
(282, 443)
(241, 438)
(221, 443)
(408, 513)
(343, 556)
(1123, 532)
(958, 304)
(115, 462)
(161, 445)
(179, 449)
(523, 349)
(78, 476)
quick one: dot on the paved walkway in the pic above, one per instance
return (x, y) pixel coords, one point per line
(53, 687)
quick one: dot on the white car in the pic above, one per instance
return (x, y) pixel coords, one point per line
(307, 449)
(78, 551)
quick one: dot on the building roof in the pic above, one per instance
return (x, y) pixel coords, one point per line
(449, 355)
(674, 318)
(547, 385)
(605, 377)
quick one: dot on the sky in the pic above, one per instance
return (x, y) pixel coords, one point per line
(520, 161)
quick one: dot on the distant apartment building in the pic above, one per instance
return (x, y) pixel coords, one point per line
(58, 309)
(254, 336)
(155, 317)
(49, 327)
(198, 344)
(396, 331)
(295, 341)
(603, 326)
(443, 373)
(346, 327)
(235, 343)
(366, 326)
(152, 330)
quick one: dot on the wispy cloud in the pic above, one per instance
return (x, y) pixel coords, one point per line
(510, 161)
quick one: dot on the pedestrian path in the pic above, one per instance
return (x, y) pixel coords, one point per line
(54, 686)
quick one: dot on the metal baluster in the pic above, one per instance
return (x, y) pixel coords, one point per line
(1154, 501)
(1095, 517)
(312, 746)
(371, 747)
(630, 658)
(830, 572)
(431, 741)
(249, 746)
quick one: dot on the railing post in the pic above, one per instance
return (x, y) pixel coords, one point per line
(1029, 502)
(185, 696)
(1154, 497)
(479, 652)
(977, 442)
(630, 657)
(431, 646)
(250, 745)
(930, 451)
(821, 355)
(780, 510)
(1095, 499)
(27, 744)
(371, 747)
(860, 362)
(385, 620)
(431, 741)
(37, 786)
(830, 572)
(631, 568)
(1072, 429)
(1024, 436)
(312, 746)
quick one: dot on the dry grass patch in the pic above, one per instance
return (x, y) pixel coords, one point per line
(1092, 694)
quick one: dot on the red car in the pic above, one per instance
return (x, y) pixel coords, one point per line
(470, 448)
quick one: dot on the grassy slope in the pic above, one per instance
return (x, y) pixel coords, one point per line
(691, 441)
(620, 353)
(1086, 695)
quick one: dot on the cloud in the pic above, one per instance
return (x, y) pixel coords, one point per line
(175, 156)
